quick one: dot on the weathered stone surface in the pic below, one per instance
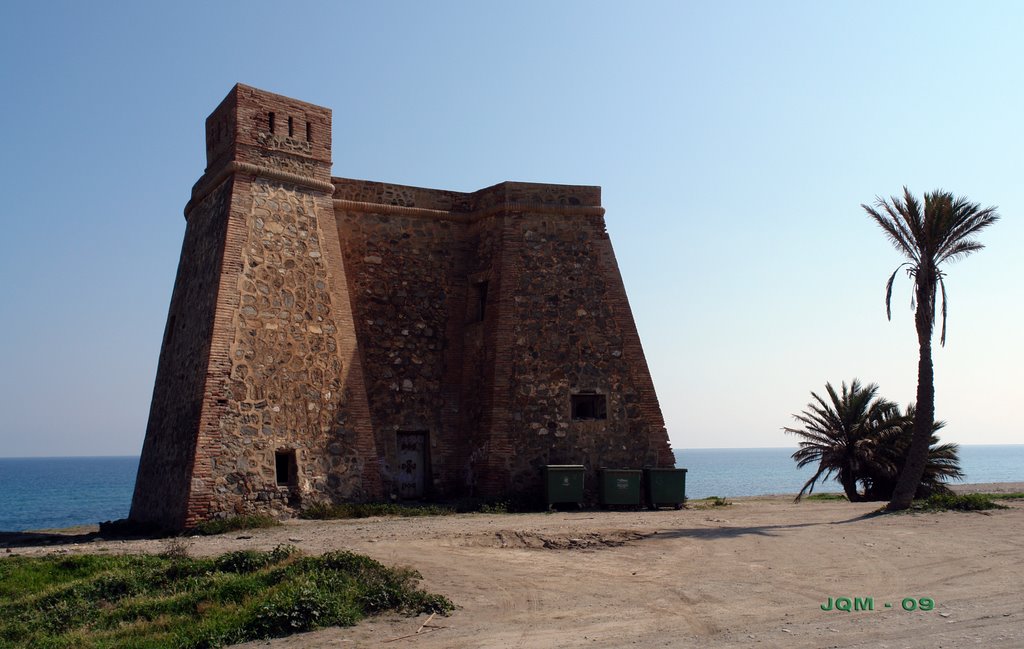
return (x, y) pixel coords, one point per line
(312, 337)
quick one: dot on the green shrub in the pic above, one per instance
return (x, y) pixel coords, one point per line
(826, 496)
(152, 602)
(235, 523)
(243, 561)
(716, 501)
(323, 511)
(1017, 495)
(494, 508)
(956, 502)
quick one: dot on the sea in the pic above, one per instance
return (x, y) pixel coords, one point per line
(58, 492)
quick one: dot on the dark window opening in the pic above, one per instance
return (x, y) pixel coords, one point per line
(309, 132)
(284, 462)
(291, 127)
(480, 306)
(589, 406)
(270, 119)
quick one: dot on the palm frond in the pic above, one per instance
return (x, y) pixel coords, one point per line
(893, 227)
(929, 234)
(942, 338)
(888, 292)
(969, 219)
(958, 250)
(808, 487)
(909, 210)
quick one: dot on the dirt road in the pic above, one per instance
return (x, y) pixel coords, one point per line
(754, 573)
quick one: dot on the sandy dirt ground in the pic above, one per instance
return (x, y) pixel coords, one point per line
(753, 573)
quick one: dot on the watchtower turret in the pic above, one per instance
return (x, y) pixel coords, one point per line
(259, 403)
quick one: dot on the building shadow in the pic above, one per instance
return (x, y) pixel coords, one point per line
(108, 531)
(36, 539)
(712, 533)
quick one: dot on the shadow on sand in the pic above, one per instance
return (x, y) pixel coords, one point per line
(108, 531)
(754, 530)
(36, 539)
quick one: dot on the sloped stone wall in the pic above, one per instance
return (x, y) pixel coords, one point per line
(569, 335)
(165, 467)
(286, 388)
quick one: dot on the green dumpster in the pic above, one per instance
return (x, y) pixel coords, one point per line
(665, 487)
(563, 483)
(619, 486)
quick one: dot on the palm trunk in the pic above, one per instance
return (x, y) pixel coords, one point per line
(850, 487)
(924, 416)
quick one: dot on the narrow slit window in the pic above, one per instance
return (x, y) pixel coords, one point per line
(309, 132)
(291, 127)
(284, 462)
(270, 121)
(589, 406)
(480, 306)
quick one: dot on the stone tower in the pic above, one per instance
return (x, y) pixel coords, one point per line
(337, 340)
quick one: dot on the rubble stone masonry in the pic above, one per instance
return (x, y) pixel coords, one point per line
(321, 327)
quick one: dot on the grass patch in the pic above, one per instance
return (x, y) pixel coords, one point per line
(494, 508)
(825, 496)
(152, 602)
(711, 501)
(1017, 495)
(235, 523)
(321, 511)
(956, 502)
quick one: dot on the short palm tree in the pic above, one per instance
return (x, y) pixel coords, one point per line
(942, 466)
(938, 232)
(841, 435)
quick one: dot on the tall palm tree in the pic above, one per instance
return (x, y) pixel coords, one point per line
(841, 435)
(941, 232)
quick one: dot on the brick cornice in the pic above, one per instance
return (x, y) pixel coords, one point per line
(209, 182)
(506, 207)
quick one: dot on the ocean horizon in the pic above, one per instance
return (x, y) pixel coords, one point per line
(58, 492)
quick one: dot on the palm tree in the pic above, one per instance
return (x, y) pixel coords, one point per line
(842, 435)
(940, 233)
(943, 461)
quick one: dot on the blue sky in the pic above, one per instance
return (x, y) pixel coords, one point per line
(734, 141)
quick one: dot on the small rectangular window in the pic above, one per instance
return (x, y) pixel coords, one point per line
(270, 120)
(309, 132)
(589, 406)
(291, 127)
(285, 468)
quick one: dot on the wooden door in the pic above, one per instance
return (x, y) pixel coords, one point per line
(412, 464)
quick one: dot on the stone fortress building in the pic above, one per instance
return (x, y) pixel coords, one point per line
(335, 340)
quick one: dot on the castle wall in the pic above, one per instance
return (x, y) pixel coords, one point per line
(335, 340)
(273, 372)
(483, 477)
(162, 485)
(286, 386)
(562, 327)
(569, 337)
(404, 276)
